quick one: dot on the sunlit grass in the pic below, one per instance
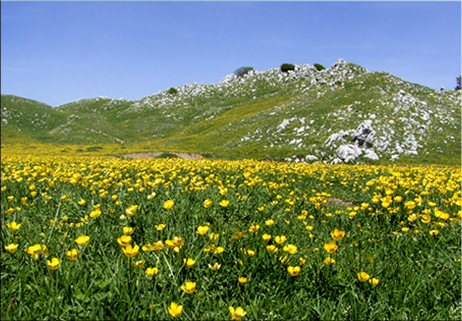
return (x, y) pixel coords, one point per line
(108, 238)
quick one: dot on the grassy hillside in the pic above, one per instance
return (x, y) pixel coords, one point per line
(268, 114)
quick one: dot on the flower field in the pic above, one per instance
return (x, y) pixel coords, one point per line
(104, 238)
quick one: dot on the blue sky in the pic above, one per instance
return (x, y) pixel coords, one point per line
(58, 52)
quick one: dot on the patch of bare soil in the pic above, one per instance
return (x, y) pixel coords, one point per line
(338, 202)
(155, 154)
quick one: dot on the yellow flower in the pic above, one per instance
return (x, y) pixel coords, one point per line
(309, 227)
(170, 244)
(330, 247)
(81, 202)
(188, 262)
(280, 239)
(160, 227)
(138, 264)
(189, 287)
(131, 210)
(254, 228)
(95, 213)
(271, 248)
(82, 240)
(302, 260)
(329, 261)
(178, 240)
(202, 230)
(130, 251)
(208, 203)
(237, 314)
(11, 248)
(242, 280)
(148, 247)
(152, 271)
(426, 218)
(175, 309)
(72, 254)
(124, 240)
(434, 232)
(237, 235)
(269, 222)
(215, 267)
(374, 281)
(13, 226)
(37, 249)
(249, 252)
(337, 234)
(209, 248)
(266, 237)
(128, 230)
(294, 270)
(224, 203)
(214, 236)
(363, 276)
(405, 229)
(218, 250)
(290, 248)
(168, 204)
(54, 263)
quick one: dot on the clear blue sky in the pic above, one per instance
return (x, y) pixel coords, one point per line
(58, 52)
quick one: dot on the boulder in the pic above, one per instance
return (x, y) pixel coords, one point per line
(311, 158)
(369, 153)
(348, 153)
(364, 134)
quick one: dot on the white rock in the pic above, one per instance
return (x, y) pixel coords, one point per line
(365, 134)
(311, 158)
(348, 152)
(369, 153)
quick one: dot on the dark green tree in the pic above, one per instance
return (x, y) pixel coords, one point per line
(458, 80)
(240, 72)
(172, 91)
(286, 67)
(319, 67)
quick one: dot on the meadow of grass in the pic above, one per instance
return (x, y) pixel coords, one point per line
(114, 239)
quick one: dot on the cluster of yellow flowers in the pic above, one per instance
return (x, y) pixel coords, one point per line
(285, 220)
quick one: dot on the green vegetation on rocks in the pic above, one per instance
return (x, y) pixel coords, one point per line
(304, 115)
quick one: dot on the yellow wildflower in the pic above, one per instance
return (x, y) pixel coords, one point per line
(13, 226)
(54, 264)
(294, 270)
(330, 247)
(237, 314)
(72, 254)
(188, 262)
(152, 271)
(11, 248)
(128, 230)
(130, 251)
(363, 276)
(82, 240)
(189, 287)
(124, 240)
(175, 309)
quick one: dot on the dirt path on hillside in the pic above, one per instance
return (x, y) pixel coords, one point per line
(155, 154)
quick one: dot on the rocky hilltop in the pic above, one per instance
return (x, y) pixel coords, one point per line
(343, 114)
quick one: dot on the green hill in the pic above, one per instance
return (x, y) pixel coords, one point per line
(344, 113)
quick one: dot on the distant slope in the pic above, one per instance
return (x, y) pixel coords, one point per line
(28, 119)
(344, 113)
